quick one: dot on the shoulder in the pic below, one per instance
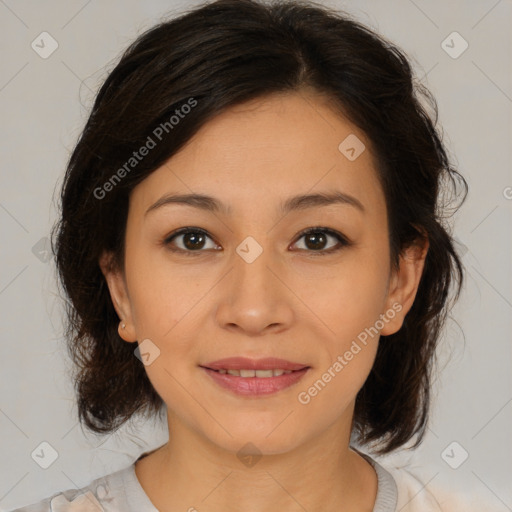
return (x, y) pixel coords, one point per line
(419, 494)
(406, 487)
(104, 493)
(414, 493)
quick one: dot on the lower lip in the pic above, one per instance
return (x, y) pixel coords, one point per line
(255, 386)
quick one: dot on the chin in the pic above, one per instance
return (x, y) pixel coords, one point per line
(257, 441)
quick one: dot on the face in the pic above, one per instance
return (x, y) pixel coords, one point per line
(308, 281)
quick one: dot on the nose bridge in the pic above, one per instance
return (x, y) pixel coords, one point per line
(255, 298)
(251, 263)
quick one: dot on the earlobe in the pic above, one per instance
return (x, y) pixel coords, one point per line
(404, 284)
(119, 296)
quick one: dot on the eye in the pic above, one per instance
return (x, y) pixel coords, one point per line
(192, 240)
(316, 239)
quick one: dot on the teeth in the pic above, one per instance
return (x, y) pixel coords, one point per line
(256, 373)
(251, 373)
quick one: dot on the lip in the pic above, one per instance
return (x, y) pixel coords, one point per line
(244, 363)
(255, 386)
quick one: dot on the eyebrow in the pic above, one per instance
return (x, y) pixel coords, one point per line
(295, 203)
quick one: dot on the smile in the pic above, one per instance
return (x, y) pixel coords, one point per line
(255, 383)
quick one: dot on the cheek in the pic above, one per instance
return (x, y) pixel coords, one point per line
(348, 297)
(331, 392)
(162, 294)
(348, 308)
(350, 305)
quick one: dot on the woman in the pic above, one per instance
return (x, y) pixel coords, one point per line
(251, 241)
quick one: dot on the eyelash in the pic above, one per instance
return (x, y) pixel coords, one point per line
(342, 240)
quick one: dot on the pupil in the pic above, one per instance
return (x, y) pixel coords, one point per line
(191, 238)
(317, 238)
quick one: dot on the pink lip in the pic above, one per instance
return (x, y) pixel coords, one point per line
(254, 386)
(244, 363)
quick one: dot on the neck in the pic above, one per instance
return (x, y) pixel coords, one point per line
(323, 474)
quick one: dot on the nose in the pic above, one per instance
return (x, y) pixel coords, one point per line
(255, 299)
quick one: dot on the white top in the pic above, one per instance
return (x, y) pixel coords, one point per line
(398, 490)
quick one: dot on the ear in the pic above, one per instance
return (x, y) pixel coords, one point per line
(404, 283)
(118, 293)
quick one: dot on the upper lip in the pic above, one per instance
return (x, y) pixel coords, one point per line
(244, 363)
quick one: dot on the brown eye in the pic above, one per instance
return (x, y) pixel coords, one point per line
(193, 240)
(189, 240)
(317, 239)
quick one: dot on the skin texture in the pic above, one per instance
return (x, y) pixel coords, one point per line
(290, 303)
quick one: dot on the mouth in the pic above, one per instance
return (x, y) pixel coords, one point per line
(250, 377)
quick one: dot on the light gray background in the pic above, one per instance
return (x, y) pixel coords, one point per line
(44, 104)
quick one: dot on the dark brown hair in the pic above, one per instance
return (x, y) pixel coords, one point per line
(215, 56)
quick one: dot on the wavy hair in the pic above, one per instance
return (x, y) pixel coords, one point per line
(221, 54)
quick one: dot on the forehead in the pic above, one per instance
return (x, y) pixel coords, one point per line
(271, 147)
